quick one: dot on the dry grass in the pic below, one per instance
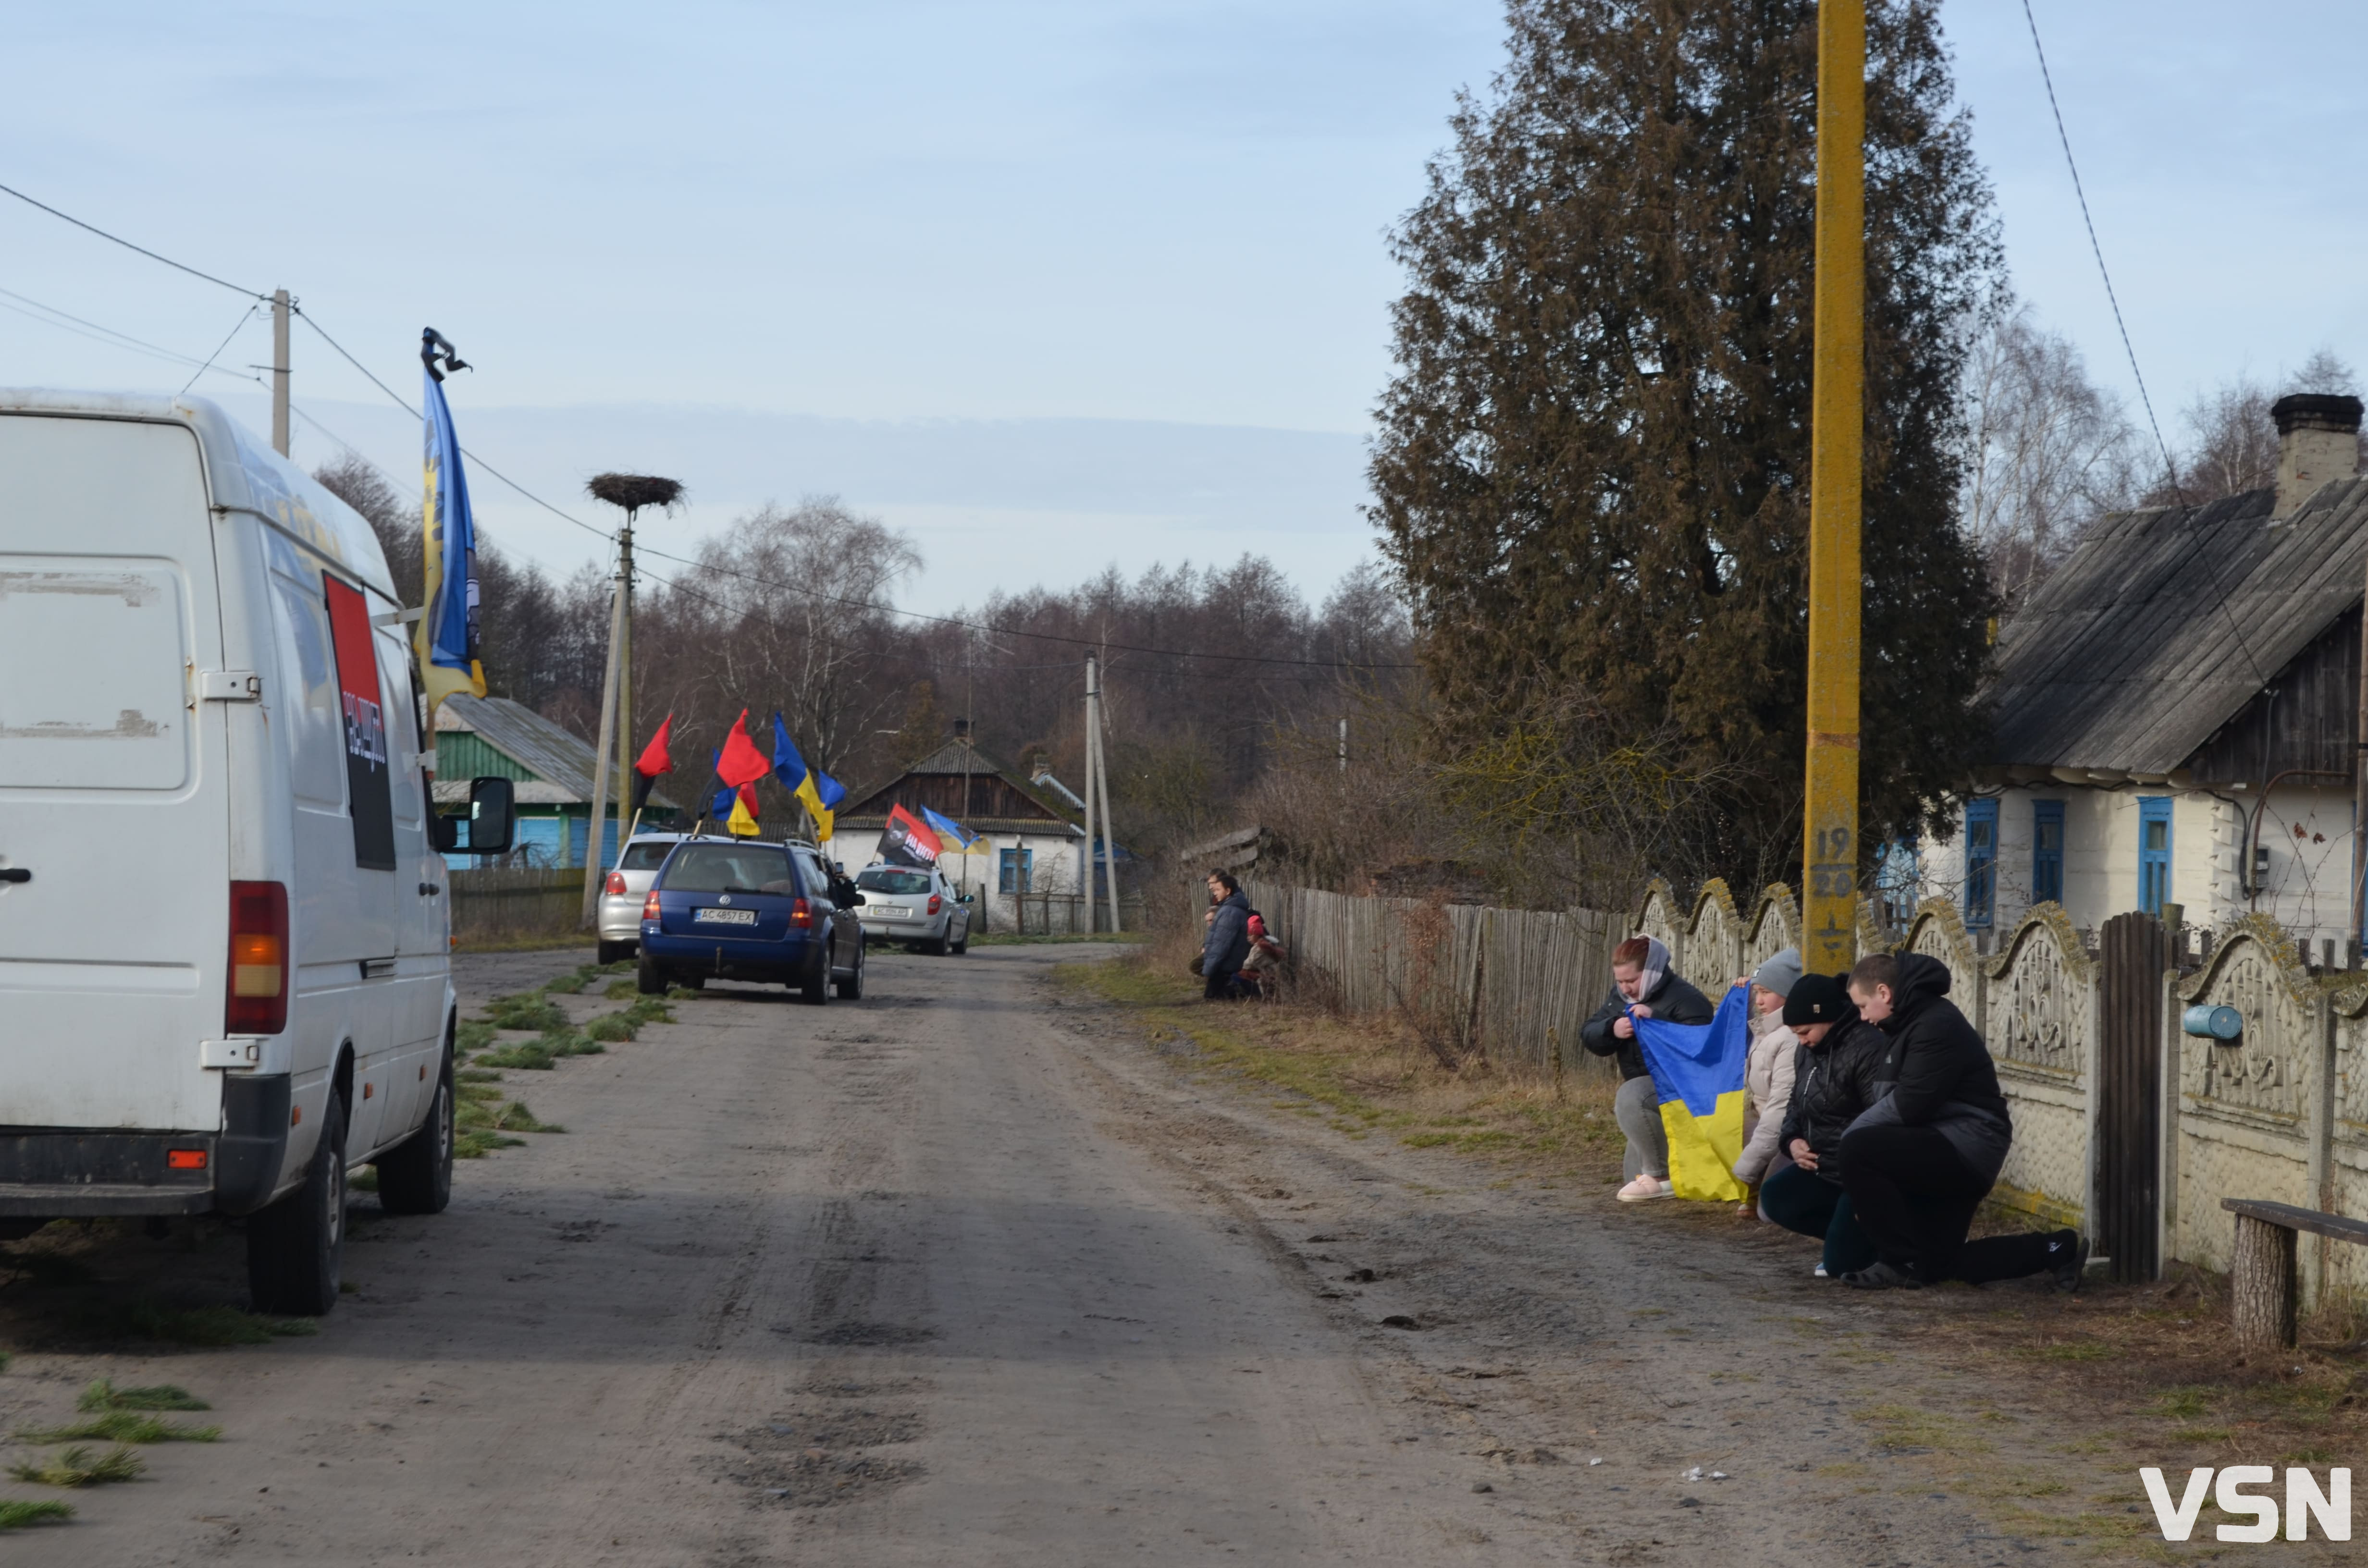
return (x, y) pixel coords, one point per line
(16, 1514)
(105, 1395)
(80, 1467)
(1369, 1077)
(120, 1427)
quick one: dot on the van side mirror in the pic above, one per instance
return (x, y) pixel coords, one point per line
(493, 815)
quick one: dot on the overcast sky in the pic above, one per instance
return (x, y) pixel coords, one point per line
(1051, 285)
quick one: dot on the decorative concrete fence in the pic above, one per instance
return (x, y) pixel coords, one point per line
(2125, 1125)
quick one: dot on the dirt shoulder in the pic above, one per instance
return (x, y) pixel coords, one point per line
(1554, 1328)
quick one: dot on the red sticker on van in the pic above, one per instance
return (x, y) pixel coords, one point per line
(369, 785)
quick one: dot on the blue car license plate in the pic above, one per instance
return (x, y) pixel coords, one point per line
(723, 917)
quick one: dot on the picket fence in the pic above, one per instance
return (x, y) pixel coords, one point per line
(506, 905)
(2280, 1113)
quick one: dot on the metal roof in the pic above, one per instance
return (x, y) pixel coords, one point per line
(553, 755)
(2165, 622)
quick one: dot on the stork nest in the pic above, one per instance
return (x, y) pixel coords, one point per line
(635, 491)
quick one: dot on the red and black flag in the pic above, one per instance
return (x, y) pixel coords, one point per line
(655, 759)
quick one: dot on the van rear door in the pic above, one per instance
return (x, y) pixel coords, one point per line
(112, 796)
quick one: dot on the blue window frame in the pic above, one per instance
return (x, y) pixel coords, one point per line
(1014, 868)
(1981, 862)
(2047, 852)
(2154, 852)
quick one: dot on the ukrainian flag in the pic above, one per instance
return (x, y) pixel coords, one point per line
(804, 782)
(1698, 1075)
(446, 638)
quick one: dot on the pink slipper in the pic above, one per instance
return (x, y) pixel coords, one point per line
(1645, 1189)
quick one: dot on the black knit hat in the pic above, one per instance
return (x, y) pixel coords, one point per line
(1817, 999)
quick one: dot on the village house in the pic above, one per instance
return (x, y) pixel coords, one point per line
(492, 736)
(1027, 842)
(2177, 713)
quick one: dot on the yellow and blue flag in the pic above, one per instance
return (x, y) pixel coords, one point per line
(950, 830)
(1698, 1078)
(803, 782)
(445, 637)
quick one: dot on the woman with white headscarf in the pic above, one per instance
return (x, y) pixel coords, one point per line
(1643, 986)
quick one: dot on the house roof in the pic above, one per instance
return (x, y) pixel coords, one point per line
(2165, 622)
(560, 762)
(868, 807)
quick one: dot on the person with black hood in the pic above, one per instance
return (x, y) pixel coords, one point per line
(1643, 985)
(1918, 1162)
(1840, 1074)
(1227, 943)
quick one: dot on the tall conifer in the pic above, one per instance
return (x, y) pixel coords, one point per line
(1592, 470)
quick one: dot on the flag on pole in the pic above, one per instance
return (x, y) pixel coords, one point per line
(947, 828)
(908, 841)
(1698, 1077)
(743, 818)
(740, 762)
(801, 780)
(655, 759)
(445, 637)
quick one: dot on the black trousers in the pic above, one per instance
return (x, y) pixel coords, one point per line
(1802, 1200)
(1915, 1196)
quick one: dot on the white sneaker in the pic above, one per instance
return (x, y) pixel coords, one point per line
(1645, 1189)
(1821, 1272)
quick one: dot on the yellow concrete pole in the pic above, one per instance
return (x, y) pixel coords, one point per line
(1829, 887)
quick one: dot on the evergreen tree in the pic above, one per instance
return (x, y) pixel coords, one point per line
(1592, 472)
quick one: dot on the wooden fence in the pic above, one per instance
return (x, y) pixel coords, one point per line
(506, 905)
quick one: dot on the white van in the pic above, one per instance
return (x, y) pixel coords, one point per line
(224, 950)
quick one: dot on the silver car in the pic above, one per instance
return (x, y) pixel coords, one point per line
(903, 905)
(620, 919)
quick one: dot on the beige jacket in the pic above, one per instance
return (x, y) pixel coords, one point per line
(1768, 1086)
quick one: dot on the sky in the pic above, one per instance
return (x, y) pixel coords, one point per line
(1050, 286)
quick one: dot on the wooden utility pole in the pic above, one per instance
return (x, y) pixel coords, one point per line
(279, 371)
(1831, 850)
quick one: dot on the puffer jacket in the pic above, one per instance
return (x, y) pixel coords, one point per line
(1673, 1001)
(1941, 1073)
(1834, 1081)
(1768, 1086)
(1227, 944)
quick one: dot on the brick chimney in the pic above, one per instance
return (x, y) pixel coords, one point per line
(2318, 439)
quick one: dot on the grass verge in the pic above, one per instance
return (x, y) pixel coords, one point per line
(105, 1395)
(80, 1467)
(16, 1514)
(120, 1427)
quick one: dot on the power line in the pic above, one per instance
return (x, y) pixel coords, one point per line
(127, 245)
(244, 317)
(404, 405)
(2063, 136)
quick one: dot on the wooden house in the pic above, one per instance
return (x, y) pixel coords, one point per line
(2176, 712)
(480, 737)
(1030, 840)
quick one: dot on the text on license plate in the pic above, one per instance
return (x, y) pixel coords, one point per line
(723, 917)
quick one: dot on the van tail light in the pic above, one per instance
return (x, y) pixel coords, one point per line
(616, 883)
(936, 904)
(259, 960)
(801, 914)
(650, 905)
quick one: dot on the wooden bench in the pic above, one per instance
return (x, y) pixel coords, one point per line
(2266, 1294)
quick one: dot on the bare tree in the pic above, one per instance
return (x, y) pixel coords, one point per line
(2049, 451)
(2235, 445)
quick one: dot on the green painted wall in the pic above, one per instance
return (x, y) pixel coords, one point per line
(460, 755)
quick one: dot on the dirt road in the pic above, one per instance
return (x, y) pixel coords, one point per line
(958, 1274)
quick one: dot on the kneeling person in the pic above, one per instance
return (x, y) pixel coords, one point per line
(1840, 1074)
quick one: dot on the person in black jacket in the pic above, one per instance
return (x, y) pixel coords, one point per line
(1643, 985)
(1919, 1164)
(1840, 1074)
(1227, 943)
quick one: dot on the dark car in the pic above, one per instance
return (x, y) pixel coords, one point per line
(726, 909)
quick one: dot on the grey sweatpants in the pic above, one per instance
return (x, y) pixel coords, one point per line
(1638, 1110)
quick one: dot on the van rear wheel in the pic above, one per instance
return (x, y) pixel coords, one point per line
(650, 980)
(296, 1248)
(416, 1176)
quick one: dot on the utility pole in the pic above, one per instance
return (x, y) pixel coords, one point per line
(279, 371)
(624, 685)
(1092, 729)
(1110, 840)
(1344, 742)
(592, 857)
(1838, 430)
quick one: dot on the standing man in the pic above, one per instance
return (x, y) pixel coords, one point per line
(1227, 944)
(1644, 986)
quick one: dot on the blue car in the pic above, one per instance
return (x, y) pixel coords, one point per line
(734, 909)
